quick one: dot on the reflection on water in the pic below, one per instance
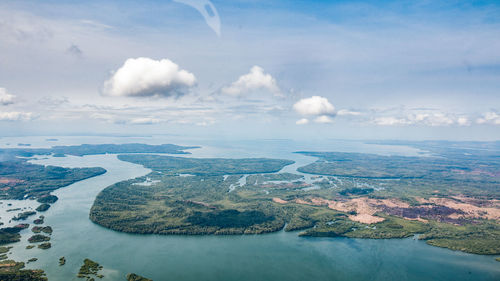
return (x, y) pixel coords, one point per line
(277, 256)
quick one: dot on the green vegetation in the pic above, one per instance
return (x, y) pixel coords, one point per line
(30, 247)
(182, 205)
(44, 246)
(38, 238)
(356, 191)
(198, 204)
(88, 269)
(42, 208)
(451, 171)
(10, 235)
(4, 250)
(40, 220)
(23, 180)
(363, 165)
(32, 260)
(44, 229)
(206, 166)
(497, 259)
(473, 238)
(201, 204)
(477, 238)
(454, 172)
(13, 271)
(93, 149)
(229, 218)
(24, 215)
(391, 227)
(263, 178)
(47, 199)
(62, 261)
(135, 277)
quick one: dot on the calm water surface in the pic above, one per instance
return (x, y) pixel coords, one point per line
(277, 256)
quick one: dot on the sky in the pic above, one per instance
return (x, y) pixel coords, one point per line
(412, 70)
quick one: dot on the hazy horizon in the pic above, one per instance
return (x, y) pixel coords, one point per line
(299, 70)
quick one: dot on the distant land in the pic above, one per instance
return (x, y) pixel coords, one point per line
(20, 179)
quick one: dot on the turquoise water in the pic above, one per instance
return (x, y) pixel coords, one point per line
(277, 256)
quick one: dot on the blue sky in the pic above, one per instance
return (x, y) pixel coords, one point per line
(389, 70)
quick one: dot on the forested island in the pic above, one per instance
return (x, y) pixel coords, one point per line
(194, 204)
(450, 201)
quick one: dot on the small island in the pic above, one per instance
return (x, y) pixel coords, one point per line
(38, 238)
(90, 268)
(44, 246)
(12, 270)
(43, 207)
(44, 229)
(135, 277)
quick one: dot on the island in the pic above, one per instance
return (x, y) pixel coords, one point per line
(12, 271)
(196, 204)
(90, 268)
(45, 245)
(450, 201)
(135, 277)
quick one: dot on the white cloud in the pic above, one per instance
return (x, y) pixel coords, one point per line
(5, 97)
(314, 105)
(144, 121)
(96, 24)
(103, 117)
(145, 77)
(346, 112)
(16, 116)
(256, 79)
(302, 121)
(390, 121)
(463, 121)
(433, 119)
(492, 118)
(323, 119)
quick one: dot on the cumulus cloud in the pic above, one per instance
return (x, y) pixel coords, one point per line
(5, 97)
(302, 121)
(145, 77)
(256, 79)
(314, 105)
(16, 116)
(492, 118)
